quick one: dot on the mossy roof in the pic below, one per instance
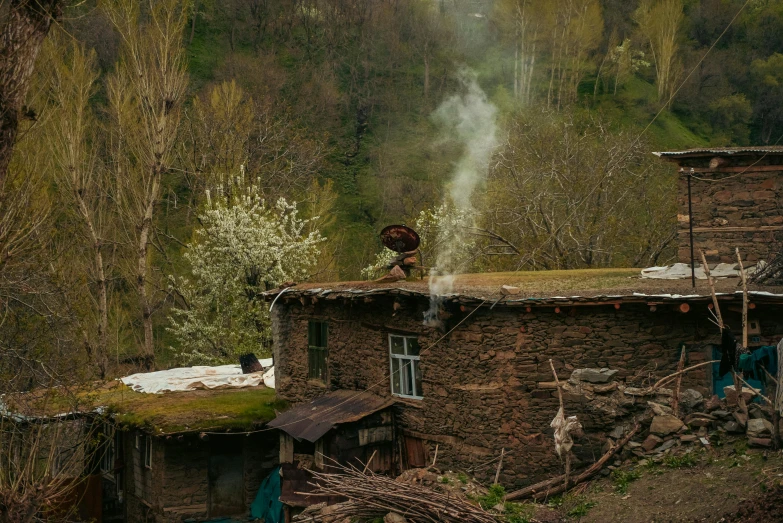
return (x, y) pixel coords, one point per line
(541, 285)
(222, 410)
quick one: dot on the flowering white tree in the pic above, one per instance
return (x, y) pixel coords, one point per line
(242, 249)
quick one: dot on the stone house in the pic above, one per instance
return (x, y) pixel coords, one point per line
(736, 197)
(169, 457)
(480, 380)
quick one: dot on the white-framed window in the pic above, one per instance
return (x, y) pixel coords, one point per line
(148, 452)
(405, 370)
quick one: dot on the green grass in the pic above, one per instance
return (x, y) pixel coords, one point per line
(622, 478)
(677, 462)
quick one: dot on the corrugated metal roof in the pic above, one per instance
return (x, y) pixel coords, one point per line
(721, 151)
(310, 421)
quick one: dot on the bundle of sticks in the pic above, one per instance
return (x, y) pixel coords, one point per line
(372, 496)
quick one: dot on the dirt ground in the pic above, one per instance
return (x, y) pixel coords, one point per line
(726, 485)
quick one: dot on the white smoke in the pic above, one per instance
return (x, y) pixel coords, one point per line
(468, 118)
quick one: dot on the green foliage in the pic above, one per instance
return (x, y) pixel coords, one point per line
(686, 460)
(622, 478)
(574, 506)
(496, 494)
(462, 477)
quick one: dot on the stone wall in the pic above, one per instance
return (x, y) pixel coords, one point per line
(484, 384)
(732, 211)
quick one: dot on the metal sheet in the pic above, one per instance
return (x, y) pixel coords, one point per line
(310, 421)
(722, 151)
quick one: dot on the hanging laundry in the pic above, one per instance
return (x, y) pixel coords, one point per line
(563, 426)
(728, 349)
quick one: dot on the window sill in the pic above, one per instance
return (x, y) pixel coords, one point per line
(408, 398)
(316, 383)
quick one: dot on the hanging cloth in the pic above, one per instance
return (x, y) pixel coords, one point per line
(563, 426)
(728, 350)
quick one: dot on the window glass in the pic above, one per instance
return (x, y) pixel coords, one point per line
(395, 375)
(413, 346)
(406, 379)
(317, 352)
(397, 345)
(417, 377)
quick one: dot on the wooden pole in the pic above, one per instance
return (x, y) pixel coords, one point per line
(690, 231)
(500, 465)
(712, 290)
(737, 383)
(675, 404)
(560, 397)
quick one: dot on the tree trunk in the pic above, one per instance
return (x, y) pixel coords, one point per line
(27, 24)
(148, 351)
(101, 358)
(426, 77)
(193, 22)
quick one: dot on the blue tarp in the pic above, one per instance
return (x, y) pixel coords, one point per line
(267, 504)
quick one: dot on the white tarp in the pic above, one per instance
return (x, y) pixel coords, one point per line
(201, 377)
(681, 271)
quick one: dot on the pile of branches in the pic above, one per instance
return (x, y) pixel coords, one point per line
(772, 272)
(371, 496)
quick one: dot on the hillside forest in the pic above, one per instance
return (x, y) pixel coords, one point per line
(165, 162)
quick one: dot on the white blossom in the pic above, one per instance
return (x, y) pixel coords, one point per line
(242, 249)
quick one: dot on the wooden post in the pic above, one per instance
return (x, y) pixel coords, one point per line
(737, 381)
(675, 404)
(560, 397)
(744, 301)
(500, 465)
(712, 290)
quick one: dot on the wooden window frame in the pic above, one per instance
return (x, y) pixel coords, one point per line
(405, 359)
(318, 351)
(147, 454)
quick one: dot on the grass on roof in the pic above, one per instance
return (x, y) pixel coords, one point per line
(170, 412)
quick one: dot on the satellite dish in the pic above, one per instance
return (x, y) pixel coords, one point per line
(400, 238)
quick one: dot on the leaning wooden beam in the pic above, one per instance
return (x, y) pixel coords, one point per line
(555, 485)
(675, 404)
(737, 380)
(711, 283)
(744, 300)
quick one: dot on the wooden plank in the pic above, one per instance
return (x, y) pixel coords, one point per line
(760, 228)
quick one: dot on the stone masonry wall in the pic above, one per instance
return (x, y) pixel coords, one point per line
(753, 200)
(482, 383)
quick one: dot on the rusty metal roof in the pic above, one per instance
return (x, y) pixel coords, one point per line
(310, 421)
(722, 151)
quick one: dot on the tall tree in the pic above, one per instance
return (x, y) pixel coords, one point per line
(660, 21)
(23, 26)
(79, 174)
(145, 95)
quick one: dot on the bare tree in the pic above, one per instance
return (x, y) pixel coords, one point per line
(44, 459)
(569, 193)
(23, 26)
(145, 95)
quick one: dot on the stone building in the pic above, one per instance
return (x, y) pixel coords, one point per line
(736, 195)
(479, 380)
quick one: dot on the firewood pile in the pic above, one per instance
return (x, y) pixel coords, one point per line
(772, 272)
(370, 496)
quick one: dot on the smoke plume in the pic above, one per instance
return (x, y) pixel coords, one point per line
(468, 118)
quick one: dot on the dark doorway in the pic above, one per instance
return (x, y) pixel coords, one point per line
(226, 477)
